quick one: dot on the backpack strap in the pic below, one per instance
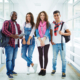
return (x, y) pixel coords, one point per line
(9, 28)
(61, 26)
(62, 36)
(25, 25)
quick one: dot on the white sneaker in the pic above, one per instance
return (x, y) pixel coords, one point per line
(28, 71)
(35, 68)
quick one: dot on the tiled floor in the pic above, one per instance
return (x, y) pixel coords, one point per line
(21, 69)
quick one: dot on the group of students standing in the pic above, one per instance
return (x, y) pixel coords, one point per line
(45, 33)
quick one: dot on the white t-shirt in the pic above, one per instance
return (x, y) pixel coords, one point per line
(57, 39)
(28, 25)
(16, 40)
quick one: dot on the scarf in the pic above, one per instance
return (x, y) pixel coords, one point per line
(56, 27)
(42, 28)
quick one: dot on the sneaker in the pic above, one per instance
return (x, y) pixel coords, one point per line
(35, 68)
(10, 76)
(53, 72)
(44, 73)
(63, 75)
(40, 73)
(14, 73)
(28, 70)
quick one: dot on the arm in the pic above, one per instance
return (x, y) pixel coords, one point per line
(51, 33)
(32, 32)
(31, 35)
(23, 41)
(47, 33)
(5, 29)
(37, 33)
(67, 30)
(19, 29)
(38, 36)
(6, 32)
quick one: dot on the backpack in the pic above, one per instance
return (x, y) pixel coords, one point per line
(67, 38)
(3, 38)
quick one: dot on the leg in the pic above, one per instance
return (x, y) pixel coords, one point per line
(55, 53)
(24, 56)
(40, 50)
(14, 56)
(63, 57)
(9, 57)
(30, 52)
(46, 48)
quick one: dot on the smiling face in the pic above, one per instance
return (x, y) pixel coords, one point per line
(42, 16)
(28, 18)
(14, 16)
(57, 16)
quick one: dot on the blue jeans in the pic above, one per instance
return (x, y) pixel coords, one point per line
(56, 49)
(28, 57)
(11, 54)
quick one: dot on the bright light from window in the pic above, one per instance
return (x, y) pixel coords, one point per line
(6, 0)
(70, 1)
(1, 0)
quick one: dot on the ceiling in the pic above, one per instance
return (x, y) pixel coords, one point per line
(35, 6)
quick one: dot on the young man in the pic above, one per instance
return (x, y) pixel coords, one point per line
(12, 47)
(56, 41)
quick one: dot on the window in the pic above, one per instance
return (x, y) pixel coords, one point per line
(6, 9)
(11, 6)
(1, 8)
(75, 0)
(77, 9)
(71, 29)
(77, 30)
(1, 23)
(68, 9)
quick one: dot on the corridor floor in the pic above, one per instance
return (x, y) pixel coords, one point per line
(21, 69)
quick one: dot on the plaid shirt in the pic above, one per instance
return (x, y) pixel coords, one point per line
(12, 31)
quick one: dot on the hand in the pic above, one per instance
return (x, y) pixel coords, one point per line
(52, 43)
(28, 42)
(24, 42)
(15, 36)
(61, 33)
(21, 37)
(42, 43)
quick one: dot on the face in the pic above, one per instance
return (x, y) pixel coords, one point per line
(57, 16)
(14, 16)
(28, 17)
(42, 16)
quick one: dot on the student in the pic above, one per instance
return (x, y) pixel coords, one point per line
(42, 33)
(28, 42)
(12, 47)
(56, 41)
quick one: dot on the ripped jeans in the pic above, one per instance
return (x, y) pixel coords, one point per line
(28, 57)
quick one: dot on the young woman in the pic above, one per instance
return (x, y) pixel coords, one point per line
(28, 42)
(43, 35)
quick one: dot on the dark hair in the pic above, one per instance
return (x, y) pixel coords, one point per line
(56, 12)
(32, 19)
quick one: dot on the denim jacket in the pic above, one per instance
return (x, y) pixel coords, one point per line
(47, 33)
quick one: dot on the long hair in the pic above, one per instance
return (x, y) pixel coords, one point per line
(46, 19)
(32, 19)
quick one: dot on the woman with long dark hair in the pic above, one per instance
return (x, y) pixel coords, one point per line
(28, 42)
(43, 36)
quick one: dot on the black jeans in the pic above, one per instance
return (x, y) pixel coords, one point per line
(44, 50)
